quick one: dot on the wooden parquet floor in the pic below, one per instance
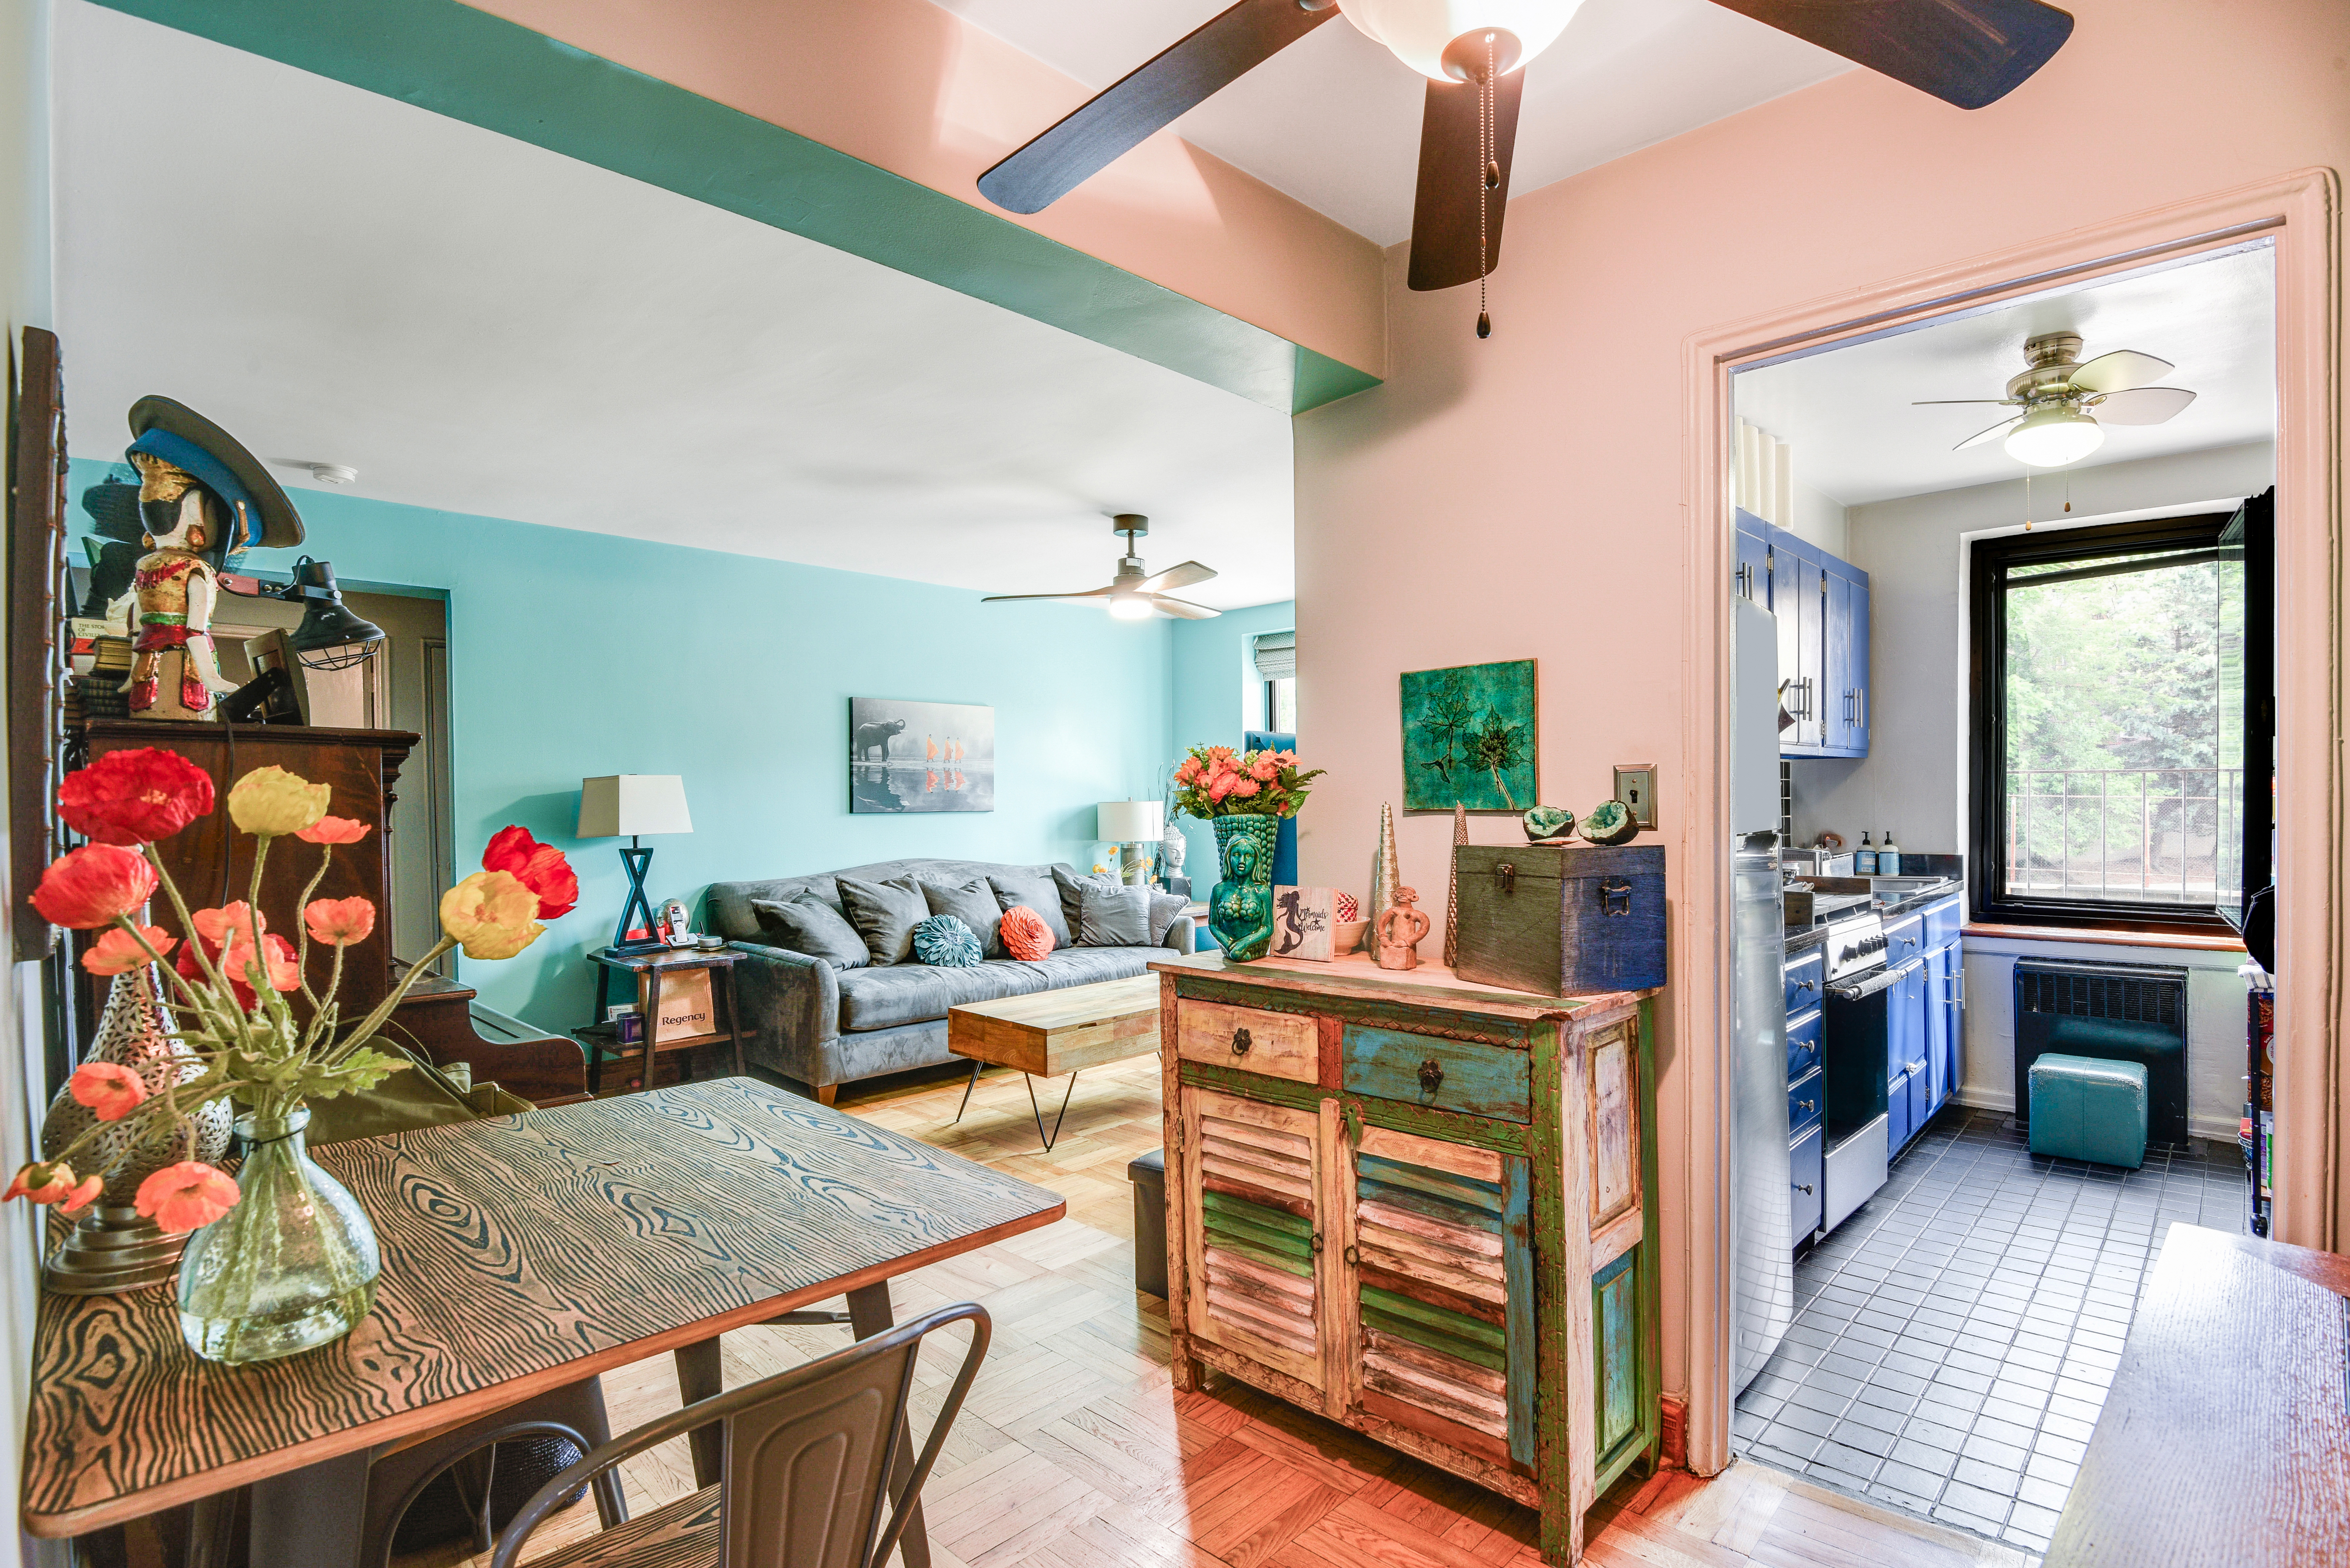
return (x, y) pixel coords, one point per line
(1074, 1451)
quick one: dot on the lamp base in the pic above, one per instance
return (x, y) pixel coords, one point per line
(637, 913)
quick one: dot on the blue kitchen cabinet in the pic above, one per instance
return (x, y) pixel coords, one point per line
(1942, 1023)
(1822, 605)
(1753, 576)
(1909, 1081)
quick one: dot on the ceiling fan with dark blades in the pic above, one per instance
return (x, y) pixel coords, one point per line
(1132, 595)
(1969, 53)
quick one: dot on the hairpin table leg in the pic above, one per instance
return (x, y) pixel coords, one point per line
(969, 1085)
(1039, 1110)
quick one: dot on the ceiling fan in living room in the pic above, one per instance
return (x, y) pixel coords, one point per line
(1969, 53)
(1131, 596)
(2066, 403)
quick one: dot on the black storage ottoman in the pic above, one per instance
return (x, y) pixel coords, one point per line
(1149, 1174)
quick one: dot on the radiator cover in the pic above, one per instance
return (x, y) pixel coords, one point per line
(2117, 1012)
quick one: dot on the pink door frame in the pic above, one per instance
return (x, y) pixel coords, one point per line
(2301, 214)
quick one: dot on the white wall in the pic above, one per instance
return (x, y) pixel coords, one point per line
(1913, 550)
(1820, 520)
(2215, 1025)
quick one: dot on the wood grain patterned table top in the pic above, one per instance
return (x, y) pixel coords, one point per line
(519, 1254)
(2226, 1434)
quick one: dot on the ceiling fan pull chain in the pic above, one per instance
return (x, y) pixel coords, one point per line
(1488, 176)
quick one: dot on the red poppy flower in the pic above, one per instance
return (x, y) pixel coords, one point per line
(108, 1088)
(540, 867)
(339, 922)
(183, 1196)
(88, 887)
(116, 952)
(333, 830)
(135, 796)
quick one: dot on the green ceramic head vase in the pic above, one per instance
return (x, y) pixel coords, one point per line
(1547, 821)
(1610, 822)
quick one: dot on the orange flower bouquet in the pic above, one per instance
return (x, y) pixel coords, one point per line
(1217, 780)
(233, 1036)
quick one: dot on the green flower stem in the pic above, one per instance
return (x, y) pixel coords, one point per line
(302, 944)
(187, 921)
(368, 1027)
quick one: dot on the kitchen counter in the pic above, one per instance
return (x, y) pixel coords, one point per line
(1803, 939)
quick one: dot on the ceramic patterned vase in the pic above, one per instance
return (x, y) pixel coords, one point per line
(1239, 907)
(291, 1267)
(113, 1248)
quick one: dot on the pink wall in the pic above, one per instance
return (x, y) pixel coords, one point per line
(915, 89)
(1524, 496)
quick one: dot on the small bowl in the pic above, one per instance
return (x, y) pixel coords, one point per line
(1346, 936)
(711, 944)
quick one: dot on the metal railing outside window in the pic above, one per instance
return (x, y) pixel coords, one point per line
(2147, 836)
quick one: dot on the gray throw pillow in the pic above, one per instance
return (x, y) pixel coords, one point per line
(885, 915)
(1072, 888)
(1039, 892)
(810, 926)
(1114, 918)
(974, 904)
(1164, 907)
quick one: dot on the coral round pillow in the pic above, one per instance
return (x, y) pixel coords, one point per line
(1026, 937)
(945, 942)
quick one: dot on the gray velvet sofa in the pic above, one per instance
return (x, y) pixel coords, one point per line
(826, 1027)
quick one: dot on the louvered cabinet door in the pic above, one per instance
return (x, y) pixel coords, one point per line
(1441, 1272)
(1254, 1244)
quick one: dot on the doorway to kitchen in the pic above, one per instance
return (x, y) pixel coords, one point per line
(2000, 793)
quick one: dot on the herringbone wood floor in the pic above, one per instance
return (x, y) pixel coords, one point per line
(1075, 1452)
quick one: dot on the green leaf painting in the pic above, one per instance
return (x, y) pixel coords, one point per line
(1468, 737)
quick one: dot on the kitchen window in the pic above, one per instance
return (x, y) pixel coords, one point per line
(2100, 785)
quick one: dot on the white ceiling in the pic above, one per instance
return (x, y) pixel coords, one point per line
(1847, 413)
(1334, 119)
(484, 327)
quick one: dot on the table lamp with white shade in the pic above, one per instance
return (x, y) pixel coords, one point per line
(1126, 822)
(631, 805)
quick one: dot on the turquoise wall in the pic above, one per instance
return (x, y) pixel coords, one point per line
(575, 654)
(1218, 696)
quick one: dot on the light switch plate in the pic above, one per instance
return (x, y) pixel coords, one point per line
(1636, 786)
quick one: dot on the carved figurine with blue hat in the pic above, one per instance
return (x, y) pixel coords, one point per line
(205, 501)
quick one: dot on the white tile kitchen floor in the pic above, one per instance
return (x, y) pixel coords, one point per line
(1954, 1338)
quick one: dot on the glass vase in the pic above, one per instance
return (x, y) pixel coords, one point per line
(291, 1267)
(1239, 907)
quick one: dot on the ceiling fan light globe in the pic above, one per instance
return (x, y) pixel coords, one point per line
(1129, 608)
(2052, 437)
(1418, 32)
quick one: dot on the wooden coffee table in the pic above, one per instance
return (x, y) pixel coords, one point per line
(1056, 1032)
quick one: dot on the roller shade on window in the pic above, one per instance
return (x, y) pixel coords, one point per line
(1275, 653)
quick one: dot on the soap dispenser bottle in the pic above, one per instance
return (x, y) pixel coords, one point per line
(1863, 860)
(1889, 856)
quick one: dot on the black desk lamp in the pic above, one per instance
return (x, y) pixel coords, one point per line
(630, 804)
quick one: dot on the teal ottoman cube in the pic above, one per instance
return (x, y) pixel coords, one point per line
(2088, 1108)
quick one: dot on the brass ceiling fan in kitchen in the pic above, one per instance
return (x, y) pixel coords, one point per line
(1131, 596)
(1969, 53)
(2066, 403)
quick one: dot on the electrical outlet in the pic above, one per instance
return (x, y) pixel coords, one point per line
(1636, 786)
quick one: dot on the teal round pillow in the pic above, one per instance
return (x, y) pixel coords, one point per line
(945, 942)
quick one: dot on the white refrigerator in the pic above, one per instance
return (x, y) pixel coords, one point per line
(1761, 1243)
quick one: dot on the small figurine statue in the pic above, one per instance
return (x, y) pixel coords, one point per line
(1399, 930)
(205, 501)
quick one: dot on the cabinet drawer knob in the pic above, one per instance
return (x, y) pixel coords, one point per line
(1804, 1188)
(1431, 1074)
(1807, 1105)
(1241, 1042)
(1317, 1244)
(1353, 1259)
(1807, 985)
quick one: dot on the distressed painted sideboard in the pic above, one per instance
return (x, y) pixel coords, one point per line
(1420, 1206)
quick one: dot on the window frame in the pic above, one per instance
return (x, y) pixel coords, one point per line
(1987, 564)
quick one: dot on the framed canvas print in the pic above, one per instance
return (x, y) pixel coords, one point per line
(1468, 737)
(1301, 922)
(920, 756)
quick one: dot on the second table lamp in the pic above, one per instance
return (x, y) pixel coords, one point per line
(629, 806)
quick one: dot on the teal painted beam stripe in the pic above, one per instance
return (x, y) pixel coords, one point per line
(453, 60)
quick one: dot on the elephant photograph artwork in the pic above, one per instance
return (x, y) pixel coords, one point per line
(920, 756)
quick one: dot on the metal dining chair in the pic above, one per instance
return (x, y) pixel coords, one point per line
(811, 1456)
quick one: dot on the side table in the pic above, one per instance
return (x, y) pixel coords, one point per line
(602, 1040)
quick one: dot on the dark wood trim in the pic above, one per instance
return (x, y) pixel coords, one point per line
(36, 611)
(1987, 565)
